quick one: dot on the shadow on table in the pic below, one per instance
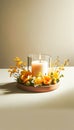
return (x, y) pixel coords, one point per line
(10, 88)
(61, 100)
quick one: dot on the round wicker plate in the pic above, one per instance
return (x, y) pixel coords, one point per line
(38, 89)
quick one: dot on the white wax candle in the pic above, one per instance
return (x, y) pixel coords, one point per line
(39, 66)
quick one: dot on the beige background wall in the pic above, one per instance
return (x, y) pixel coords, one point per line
(36, 26)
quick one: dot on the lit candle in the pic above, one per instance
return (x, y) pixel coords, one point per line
(39, 66)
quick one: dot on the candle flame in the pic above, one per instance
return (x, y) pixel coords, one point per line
(40, 57)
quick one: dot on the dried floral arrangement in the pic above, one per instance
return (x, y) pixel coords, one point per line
(23, 76)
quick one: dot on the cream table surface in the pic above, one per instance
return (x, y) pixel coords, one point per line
(21, 110)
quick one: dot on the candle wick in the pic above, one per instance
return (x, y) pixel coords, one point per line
(40, 58)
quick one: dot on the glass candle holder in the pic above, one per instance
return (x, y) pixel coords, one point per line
(39, 64)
